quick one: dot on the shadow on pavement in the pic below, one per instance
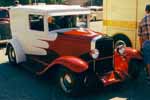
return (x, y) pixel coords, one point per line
(18, 83)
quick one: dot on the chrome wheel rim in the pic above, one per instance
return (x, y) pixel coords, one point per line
(66, 83)
(121, 42)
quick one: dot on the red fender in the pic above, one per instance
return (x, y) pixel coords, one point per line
(73, 63)
(131, 53)
(121, 61)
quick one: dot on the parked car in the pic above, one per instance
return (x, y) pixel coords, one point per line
(56, 38)
(5, 33)
(96, 13)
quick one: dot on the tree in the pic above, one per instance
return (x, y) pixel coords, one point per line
(6, 2)
(11, 2)
(54, 1)
(25, 1)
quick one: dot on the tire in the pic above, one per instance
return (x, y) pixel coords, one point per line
(134, 68)
(11, 55)
(122, 38)
(94, 83)
(70, 82)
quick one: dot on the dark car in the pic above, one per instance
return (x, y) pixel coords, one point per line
(5, 33)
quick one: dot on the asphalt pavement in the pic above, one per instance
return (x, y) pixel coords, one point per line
(17, 83)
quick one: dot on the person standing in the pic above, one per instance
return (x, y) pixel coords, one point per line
(144, 36)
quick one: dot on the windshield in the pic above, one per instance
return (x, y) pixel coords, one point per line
(71, 21)
(4, 14)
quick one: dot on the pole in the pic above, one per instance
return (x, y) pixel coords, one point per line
(136, 36)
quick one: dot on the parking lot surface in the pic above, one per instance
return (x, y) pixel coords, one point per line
(17, 83)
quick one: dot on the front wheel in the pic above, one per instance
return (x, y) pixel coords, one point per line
(134, 68)
(70, 82)
(122, 38)
(11, 55)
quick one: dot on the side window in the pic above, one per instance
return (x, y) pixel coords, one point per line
(36, 22)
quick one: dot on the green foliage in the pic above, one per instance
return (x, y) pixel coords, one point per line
(54, 1)
(6, 2)
(11, 2)
(24, 1)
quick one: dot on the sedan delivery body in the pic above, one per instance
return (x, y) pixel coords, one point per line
(56, 37)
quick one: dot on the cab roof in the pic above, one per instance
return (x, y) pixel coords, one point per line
(55, 9)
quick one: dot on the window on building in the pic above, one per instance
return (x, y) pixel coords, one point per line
(36, 22)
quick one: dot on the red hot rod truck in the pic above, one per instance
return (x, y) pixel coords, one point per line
(56, 37)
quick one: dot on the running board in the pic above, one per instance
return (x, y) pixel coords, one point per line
(34, 65)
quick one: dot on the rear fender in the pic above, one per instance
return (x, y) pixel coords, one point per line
(20, 54)
(73, 63)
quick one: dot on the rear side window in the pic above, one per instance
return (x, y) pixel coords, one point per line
(36, 22)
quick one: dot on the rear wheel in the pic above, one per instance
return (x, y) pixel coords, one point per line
(134, 68)
(11, 55)
(71, 83)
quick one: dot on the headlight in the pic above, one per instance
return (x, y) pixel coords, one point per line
(121, 49)
(94, 53)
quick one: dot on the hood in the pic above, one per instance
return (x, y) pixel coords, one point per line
(82, 32)
(73, 42)
(79, 32)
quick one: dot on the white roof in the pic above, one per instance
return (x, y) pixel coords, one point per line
(55, 10)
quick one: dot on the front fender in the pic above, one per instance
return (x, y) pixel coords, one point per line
(131, 53)
(73, 63)
(121, 62)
